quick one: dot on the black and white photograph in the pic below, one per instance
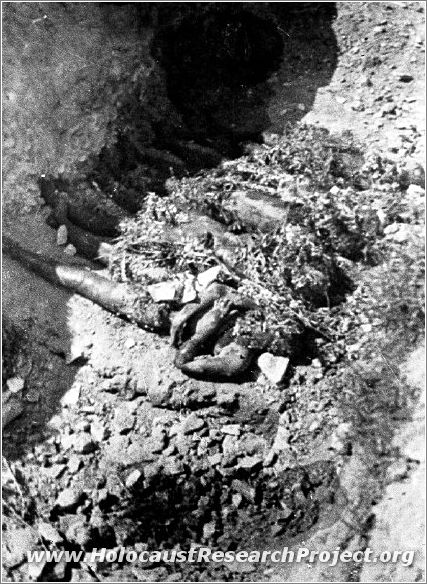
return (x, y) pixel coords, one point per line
(213, 291)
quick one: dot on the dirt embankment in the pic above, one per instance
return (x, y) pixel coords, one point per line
(65, 69)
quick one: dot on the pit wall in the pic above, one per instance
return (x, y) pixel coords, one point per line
(66, 70)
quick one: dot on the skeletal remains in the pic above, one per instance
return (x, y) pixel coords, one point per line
(199, 330)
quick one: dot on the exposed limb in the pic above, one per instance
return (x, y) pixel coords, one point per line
(90, 246)
(210, 325)
(83, 213)
(125, 300)
(182, 319)
(232, 362)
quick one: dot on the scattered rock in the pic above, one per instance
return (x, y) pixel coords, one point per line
(413, 173)
(70, 250)
(117, 383)
(133, 478)
(277, 529)
(159, 393)
(215, 459)
(79, 575)
(227, 396)
(252, 444)
(49, 533)
(271, 458)
(129, 344)
(263, 212)
(388, 108)
(230, 446)
(240, 567)
(163, 291)
(84, 443)
(231, 429)
(398, 232)
(208, 276)
(74, 464)
(281, 441)
(244, 489)
(250, 463)
(406, 78)
(192, 424)
(156, 442)
(72, 396)
(209, 530)
(340, 439)
(189, 293)
(397, 471)
(415, 191)
(69, 498)
(62, 235)
(35, 569)
(15, 384)
(54, 471)
(140, 450)
(59, 570)
(124, 419)
(99, 431)
(67, 441)
(79, 532)
(274, 368)
(314, 426)
(237, 499)
(12, 408)
(172, 466)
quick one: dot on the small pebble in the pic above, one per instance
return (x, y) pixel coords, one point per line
(70, 250)
(15, 384)
(133, 478)
(62, 235)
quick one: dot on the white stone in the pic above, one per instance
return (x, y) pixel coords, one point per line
(70, 250)
(274, 368)
(62, 235)
(415, 191)
(15, 384)
(11, 409)
(231, 429)
(69, 498)
(189, 294)
(209, 529)
(402, 234)
(208, 276)
(49, 533)
(98, 431)
(129, 343)
(392, 228)
(281, 440)
(163, 291)
(71, 397)
(133, 478)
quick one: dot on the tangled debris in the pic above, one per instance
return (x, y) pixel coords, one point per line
(331, 206)
(207, 461)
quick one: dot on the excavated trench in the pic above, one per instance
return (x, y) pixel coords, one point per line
(208, 96)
